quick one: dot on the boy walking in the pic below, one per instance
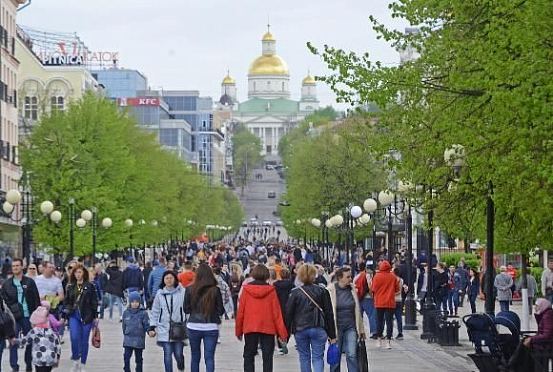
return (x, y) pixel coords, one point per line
(135, 324)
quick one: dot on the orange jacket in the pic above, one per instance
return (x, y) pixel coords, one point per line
(259, 311)
(385, 285)
(186, 278)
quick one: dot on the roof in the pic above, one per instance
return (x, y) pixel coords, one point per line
(276, 105)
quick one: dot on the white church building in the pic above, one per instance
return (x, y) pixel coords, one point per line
(269, 112)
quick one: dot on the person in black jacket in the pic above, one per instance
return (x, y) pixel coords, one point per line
(133, 280)
(283, 289)
(80, 311)
(7, 327)
(204, 302)
(114, 288)
(310, 317)
(22, 298)
(440, 286)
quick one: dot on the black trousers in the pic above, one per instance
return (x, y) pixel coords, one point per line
(43, 369)
(267, 342)
(387, 314)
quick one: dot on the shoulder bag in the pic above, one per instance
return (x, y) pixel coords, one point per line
(7, 322)
(177, 330)
(320, 316)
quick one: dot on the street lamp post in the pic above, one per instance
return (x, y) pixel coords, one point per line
(71, 230)
(429, 307)
(12, 198)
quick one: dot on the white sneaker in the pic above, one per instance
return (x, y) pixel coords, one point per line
(75, 367)
(378, 343)
(389, 344)
(82, 367)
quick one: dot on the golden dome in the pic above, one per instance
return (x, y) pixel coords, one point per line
(228, 81)
(269, 65)
(268, 37)
(309, 80)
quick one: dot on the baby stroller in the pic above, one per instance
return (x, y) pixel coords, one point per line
(483, 331)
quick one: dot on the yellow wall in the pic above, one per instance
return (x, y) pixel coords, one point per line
(69, 82)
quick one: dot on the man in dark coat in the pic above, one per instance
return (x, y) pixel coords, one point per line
(21, 296)
(114, 288)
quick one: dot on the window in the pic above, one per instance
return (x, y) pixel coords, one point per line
(283, 86)
(31, 108)
(268, 85)
(169, 137)
(57, 103)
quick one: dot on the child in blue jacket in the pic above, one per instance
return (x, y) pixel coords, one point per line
(135, 325)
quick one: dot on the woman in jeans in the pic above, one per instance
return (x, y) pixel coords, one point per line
(309, 316)
(167, 307)
(259, 319)
(80, 311)
(349, 319)
(473, 288)
(204, 303)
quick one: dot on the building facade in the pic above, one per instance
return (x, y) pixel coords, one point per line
(269, 112)
(151, 112)
(121, 83)
(9, 131)
(42, 88)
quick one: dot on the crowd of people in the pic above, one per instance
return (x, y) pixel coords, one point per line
(273, 291)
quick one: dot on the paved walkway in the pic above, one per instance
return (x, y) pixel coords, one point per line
(411, 354)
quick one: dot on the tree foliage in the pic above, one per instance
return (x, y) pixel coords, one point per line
(99, 157)
(329, 171)
(246, 154)
(323, 116)
(483, 80)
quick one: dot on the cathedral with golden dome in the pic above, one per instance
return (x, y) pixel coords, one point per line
(269, 112)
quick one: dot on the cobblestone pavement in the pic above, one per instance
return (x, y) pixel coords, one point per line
(411, 354)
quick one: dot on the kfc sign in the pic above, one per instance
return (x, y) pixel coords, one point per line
(138, 101)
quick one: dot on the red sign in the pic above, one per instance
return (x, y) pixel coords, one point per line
(138, 101)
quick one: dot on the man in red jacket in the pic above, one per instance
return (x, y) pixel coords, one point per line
(259, 319)
(384, 286)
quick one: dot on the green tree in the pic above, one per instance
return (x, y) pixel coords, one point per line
(327, 172)
(99, 157)
(246, 154)
(482, 81)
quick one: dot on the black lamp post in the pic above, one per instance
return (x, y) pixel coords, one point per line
(71, 230)
(429, 307)
(410, 304)
(14, 197)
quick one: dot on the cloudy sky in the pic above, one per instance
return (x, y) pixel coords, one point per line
(189, 44)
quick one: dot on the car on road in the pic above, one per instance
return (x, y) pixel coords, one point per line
(269, 167)
(279, 223)
(285, 203)
(267, 223)
(271, 194)
(253, 222)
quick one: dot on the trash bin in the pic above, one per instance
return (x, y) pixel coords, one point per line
(447, 331)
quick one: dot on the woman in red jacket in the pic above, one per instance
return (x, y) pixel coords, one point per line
(384, 287)
(259, 319)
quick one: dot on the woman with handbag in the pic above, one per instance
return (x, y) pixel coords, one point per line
(309, 316)
(348, 318)
(204, 303)
(80, 311)
(167, 321)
